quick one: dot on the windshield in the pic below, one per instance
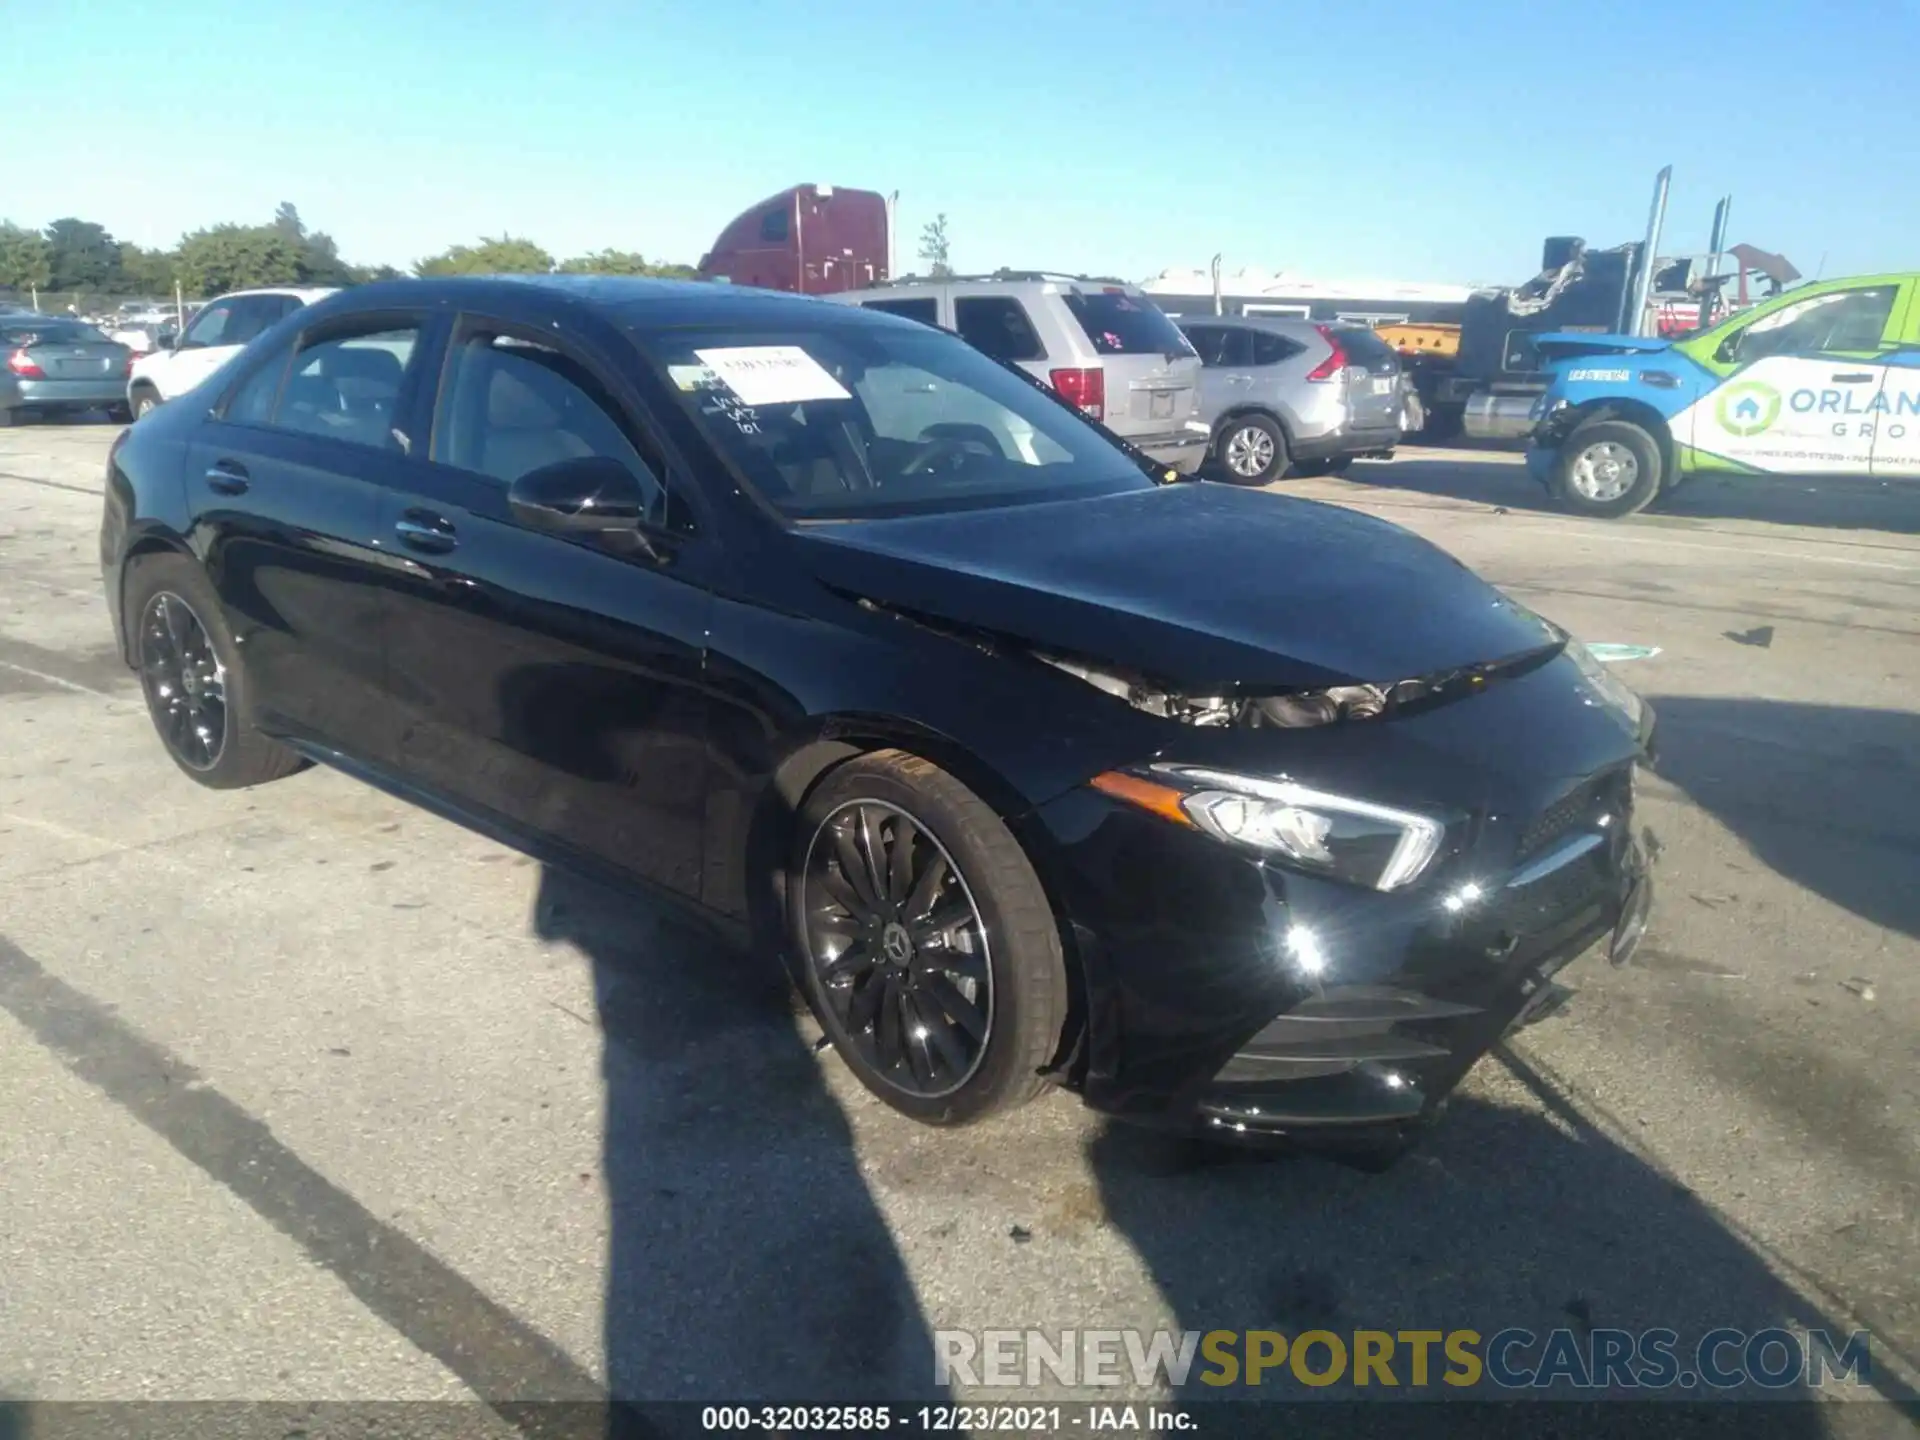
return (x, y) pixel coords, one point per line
(838, 421)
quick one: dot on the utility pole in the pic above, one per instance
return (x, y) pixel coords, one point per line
(893, 264)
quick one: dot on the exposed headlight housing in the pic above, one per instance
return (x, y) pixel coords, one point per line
(1608, 688)
(1338, 836)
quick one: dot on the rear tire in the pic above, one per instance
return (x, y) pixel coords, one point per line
(193, 677)
(1251, 450)
(144, 401)
(1607, 469)
(947, 1025)
(6, 418)
(120, 414)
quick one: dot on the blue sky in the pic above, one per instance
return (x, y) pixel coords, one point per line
(1401, 140)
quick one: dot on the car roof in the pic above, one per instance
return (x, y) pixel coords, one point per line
(306, 293)
(630, 299)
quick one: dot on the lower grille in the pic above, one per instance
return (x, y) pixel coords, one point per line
(1579, 808)
(1339, 1030)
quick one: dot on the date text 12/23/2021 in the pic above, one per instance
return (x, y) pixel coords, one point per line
(1090, 1419)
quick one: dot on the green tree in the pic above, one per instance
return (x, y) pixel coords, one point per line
(934, 245)
(320, 262)
(236, 257)
(83, 255)
(507, 255)
(145, 272)
(624, 262)
(26, 260)
(367, 274)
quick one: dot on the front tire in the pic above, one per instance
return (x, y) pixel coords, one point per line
(926, 944)
(144, 401)
(1608, 469)
(193, 678)
(1252, 450)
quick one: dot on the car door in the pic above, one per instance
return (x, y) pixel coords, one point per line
(1896, 436)
(1801, 398)
(1226, 378)
(551, 681)
(284, 483)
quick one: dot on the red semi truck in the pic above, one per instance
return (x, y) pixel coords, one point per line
(816, 239)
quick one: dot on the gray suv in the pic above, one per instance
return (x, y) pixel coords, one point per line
(1292, 396)
(1101, 344)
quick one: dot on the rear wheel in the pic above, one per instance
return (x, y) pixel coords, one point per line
(144, 399)
(1607, 469)
(193, 678)
(121, 414)
(1252, 450)
(928, 949)
(7, 418)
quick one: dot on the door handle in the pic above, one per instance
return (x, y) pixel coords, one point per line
(419, 530)
(227, 477)
(1860, 378)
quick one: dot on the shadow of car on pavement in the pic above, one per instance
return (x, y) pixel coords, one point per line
(1829, 502)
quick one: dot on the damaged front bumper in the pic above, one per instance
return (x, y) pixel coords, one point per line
(1200, 1018)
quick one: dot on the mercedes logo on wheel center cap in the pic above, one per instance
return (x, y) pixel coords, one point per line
(896, 944)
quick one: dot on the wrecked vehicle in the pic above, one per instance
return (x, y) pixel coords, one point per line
(1037, 764)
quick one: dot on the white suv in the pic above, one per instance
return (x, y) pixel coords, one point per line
(212, 337)
(1101, 344)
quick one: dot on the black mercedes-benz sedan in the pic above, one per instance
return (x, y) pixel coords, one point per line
(1035, 763)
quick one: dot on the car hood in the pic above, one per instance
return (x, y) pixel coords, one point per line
(1199, 586)
(1565, 344)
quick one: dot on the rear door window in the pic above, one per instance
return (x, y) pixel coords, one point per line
(997, 325)
(1121, 324)
(925, 308)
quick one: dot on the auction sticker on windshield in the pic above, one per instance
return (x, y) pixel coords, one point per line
(772, 374)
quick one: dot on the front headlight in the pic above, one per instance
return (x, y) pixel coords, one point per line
(1338, 836)
(1609, 690)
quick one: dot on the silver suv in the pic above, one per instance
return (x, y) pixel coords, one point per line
(1101, 344)
(1283, 395)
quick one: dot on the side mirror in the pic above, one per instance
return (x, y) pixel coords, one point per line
(587, 496)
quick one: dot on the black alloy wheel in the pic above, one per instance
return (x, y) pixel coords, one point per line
(185, 681)
(899, 948)
(197, 688)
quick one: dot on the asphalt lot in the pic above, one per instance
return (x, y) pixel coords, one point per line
(308, 1095)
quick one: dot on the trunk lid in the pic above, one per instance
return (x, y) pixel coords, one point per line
(1372, 379)
(1197, 586)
